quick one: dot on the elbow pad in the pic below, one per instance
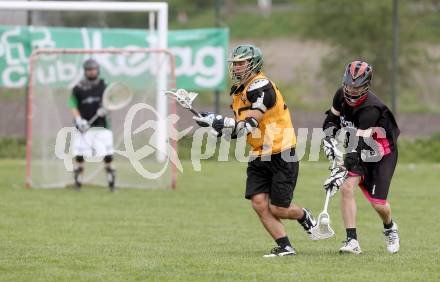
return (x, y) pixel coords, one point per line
(261, 94)
(332, 124)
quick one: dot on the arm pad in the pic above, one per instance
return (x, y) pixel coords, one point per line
(331, 124)
(261, 94)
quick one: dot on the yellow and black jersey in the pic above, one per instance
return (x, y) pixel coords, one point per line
(275, 132)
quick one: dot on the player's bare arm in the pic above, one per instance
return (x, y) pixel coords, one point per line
(75, 112)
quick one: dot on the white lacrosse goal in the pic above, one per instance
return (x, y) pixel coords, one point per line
(49, 155)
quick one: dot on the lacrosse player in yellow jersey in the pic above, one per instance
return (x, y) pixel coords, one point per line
(262, 115)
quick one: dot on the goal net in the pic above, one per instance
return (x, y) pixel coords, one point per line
(140, 129)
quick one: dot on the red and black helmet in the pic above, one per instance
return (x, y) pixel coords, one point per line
(356, 82)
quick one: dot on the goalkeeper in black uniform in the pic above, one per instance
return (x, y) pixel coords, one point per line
(93, 139)
(371, 152)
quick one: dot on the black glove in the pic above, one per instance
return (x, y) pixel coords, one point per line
(218, 123)
(351, 160)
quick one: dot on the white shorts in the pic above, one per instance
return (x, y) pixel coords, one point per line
(95, 142)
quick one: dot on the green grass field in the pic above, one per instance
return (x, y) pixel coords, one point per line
(206, 231)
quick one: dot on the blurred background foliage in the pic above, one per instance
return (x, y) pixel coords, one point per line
(338, 31)
(353, 30)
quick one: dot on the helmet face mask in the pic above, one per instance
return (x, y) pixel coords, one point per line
(356, 82)
(91, 74)
(91, 69)
(354, 96)
(240, 71)
(245, 60)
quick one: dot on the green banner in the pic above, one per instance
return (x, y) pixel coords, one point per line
(200, 53)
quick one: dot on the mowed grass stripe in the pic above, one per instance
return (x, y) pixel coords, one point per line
(206, 230)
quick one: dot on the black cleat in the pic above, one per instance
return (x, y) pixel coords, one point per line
(308, 223)
(281, 252)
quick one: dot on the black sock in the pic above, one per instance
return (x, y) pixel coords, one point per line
(351, 233)
(79, 169)
(389, 225)
(283, 241)
(303, 218)
(109, 169)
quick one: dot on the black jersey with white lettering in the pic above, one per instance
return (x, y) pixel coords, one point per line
(89, 100)
(373, 113)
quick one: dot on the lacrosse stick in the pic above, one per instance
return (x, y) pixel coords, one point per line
(322, 230)
(115, 97)
(184, 98)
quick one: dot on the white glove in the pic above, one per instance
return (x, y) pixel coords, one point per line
(330, 148)
(217, 122)
(205, 119)
(101, 112)
(334, 182)
(81, 124)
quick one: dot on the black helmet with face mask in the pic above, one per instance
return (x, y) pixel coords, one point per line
(91, 64)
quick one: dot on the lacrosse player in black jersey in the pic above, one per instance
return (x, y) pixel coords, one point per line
(371, 152)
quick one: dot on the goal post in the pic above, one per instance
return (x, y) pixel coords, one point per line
(146, 72)
(157, 26)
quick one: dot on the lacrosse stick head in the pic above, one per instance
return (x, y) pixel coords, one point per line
(116, 96)
(183, 97)
(322, 230)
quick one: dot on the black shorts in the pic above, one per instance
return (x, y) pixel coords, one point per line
(376, 177)
(275, 177)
